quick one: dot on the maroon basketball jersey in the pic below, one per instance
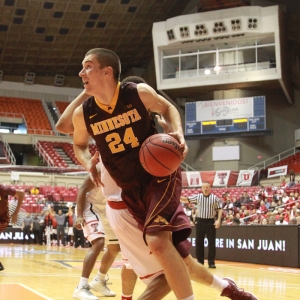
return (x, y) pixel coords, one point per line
(119, 129)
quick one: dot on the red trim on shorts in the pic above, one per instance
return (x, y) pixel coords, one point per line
(150, 275)
(117, 204)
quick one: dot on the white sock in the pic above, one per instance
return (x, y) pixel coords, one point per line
(83, 281)
(189, 298)
(219, 284)
(100, 276)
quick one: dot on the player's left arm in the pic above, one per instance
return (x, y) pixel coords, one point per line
(20, 195)
(153, 102)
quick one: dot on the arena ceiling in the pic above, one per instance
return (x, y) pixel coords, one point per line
(51, 37)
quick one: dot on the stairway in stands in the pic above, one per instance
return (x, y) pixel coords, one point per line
(65, 156)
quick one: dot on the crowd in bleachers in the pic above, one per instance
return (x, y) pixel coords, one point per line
(273, 205)
(251, 205)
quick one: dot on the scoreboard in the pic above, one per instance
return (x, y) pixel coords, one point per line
(225, 116)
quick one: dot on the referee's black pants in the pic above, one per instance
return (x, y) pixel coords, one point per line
(205, 227)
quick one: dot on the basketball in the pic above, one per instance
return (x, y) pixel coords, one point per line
(160, 155)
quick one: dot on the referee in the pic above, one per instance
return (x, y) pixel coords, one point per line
(207, 204)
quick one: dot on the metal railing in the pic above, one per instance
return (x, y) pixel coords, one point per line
(8, 150)
(272, 160)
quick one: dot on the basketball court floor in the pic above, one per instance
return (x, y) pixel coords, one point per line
(50, 272)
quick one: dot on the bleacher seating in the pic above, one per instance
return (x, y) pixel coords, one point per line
(33, 111)
(291, 160)
(61, 106)
(58, 161)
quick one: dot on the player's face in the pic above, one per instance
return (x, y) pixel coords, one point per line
(91, 74)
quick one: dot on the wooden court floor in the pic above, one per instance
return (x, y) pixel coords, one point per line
(50, 272)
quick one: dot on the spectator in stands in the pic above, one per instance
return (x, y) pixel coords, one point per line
(70, 220)
(272, 220)
(247, 218)
(245, 199)
(298, 220)
(42, 235)
(292, 178)
(273, 205)
(187, 210)
(228, 205)
(41, 199)
(259, 216)
(48, 227)
(290, 202)
(258, 195)
(228, 219)
(267, 204)
(262, 207)
(281, 221)
(27, 228)
(35, 228)
(60, 219)
(293, 221)
(34, 191)
(264, 221)
(282, 182)
(277, 196)
(236, 203)
(238, 216)
(285, 197)
(53, 227)
(294, 212)
(236, 222)
(279, 203)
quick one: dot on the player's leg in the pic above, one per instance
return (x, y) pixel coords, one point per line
(157, 289)
(99, 283)
(174, 268)
(129, 279)
(94, 233)
(82, 291)
(225, 286)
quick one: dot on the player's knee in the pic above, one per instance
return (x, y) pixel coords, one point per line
(98, 243)
(114, 249)
(157, 243)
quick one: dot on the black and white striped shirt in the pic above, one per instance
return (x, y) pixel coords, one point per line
(206, 205)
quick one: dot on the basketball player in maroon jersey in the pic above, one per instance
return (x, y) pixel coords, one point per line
(118, 119)
(197, 272)
(6, 191)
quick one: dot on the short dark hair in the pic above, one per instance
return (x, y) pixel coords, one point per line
(107, 58)
(236, 220)
(135, 79)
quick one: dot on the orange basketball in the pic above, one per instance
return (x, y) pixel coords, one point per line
(160, 155)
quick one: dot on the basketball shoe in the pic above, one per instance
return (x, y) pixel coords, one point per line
(84, 293)
(101, 287)
(232, 291)
(1, 267)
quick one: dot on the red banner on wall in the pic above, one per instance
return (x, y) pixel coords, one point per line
(220, 178)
